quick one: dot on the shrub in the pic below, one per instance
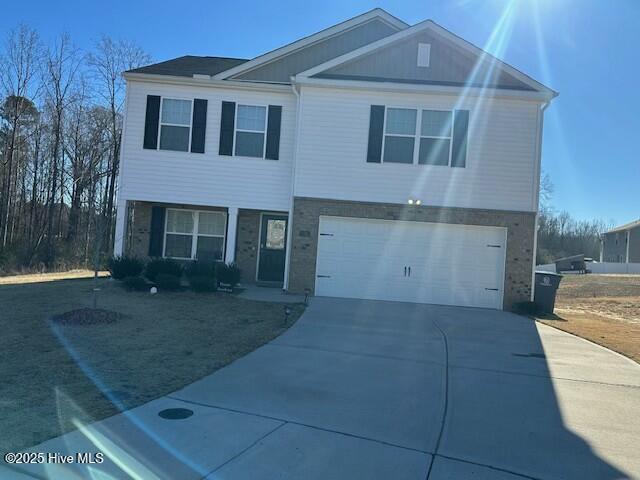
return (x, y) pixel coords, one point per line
(229, 274)
(203, 283)
(122, 267)
(137, 283)
(166, 281)
(162, 265)
(200, 269)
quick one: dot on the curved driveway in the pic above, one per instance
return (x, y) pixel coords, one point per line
(381, 390)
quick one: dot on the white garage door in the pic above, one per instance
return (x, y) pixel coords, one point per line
(411, 261)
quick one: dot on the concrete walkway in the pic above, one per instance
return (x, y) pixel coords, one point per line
(381, 390)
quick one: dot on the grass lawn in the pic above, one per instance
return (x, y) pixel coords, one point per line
(52, 373)
(602, 308)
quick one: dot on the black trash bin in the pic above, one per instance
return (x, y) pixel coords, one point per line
(544, 297)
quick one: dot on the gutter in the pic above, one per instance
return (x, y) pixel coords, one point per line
(205, 81)
(534, 254)
(287, 258)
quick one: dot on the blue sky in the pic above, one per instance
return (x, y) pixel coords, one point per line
(584, 49)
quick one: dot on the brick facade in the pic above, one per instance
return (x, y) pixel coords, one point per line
(520, 236)
(247, 243)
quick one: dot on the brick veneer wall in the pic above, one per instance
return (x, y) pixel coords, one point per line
(247, 243)
(520, 236)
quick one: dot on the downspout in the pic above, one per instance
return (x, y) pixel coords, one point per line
(287, 261)
(537, 197)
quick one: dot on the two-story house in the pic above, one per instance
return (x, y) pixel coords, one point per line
(370, 160)
(621, 244)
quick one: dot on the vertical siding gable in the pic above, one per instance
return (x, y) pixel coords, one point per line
(449, 65)
(282, 69)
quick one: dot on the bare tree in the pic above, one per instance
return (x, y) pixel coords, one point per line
(18, 68)
(109, 59)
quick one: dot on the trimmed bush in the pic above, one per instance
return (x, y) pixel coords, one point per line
(200, 269)
(162, 265)
(137, 284)
(229, 274)
(122, 267)
(203, 283)
(166, 281)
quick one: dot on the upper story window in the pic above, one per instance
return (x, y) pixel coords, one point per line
(191, 234)
(435, 136)
(251, 128)
(175, 125)
(400, 135)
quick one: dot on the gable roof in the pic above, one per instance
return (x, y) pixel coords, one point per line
(509, 76)
(189, 65)
(376, 14)
(626, 226)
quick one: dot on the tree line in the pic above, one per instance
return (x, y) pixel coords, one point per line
(60, 129)
(560, 235)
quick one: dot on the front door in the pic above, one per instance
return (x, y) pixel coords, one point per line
(273, 239)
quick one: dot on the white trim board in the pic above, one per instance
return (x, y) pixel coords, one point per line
(311, 39)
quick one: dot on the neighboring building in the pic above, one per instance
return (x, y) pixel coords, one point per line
(622, 244)
(574, 263)
(371, 160)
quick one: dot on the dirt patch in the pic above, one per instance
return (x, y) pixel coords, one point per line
(87, 316)
(604, 309)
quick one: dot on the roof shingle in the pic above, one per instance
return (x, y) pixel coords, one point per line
(189, 65)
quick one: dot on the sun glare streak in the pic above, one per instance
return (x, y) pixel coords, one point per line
(103, 387)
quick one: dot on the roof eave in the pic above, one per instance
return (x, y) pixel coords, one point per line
(205, 82)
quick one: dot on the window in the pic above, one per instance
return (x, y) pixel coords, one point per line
(400, 133)
(433, 130)
(194, 235)
(251, 125)
(276, 231)
(435, 137)
(175, 125)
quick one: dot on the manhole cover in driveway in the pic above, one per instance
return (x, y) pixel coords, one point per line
(175, 413)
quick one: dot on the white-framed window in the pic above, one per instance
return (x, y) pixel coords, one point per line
(432, 128)
(250, 131)
(399, 135)
(436, 129)
(194, 234)
(175, 124)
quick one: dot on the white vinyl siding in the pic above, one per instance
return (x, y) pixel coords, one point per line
(209, 179)
(501, 163)
(194, 234)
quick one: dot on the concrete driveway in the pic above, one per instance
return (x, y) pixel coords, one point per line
(381, 390)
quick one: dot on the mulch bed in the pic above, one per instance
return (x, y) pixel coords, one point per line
(87, 316)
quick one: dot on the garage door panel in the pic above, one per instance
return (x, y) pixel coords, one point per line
(449, 264)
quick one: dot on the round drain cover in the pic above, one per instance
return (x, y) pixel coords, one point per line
(175, 413)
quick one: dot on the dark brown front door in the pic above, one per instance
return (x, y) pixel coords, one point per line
(273, 239)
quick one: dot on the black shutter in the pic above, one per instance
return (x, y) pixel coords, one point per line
(227, 121)
(151, 119)
(460, 133)
(156, 232)
(376, 125)
(273, 132)
(199, 125)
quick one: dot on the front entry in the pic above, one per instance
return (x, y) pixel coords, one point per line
(273, 238)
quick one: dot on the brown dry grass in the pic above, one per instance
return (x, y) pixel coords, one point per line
(52, 373)
(602, 308)
(48, 277)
